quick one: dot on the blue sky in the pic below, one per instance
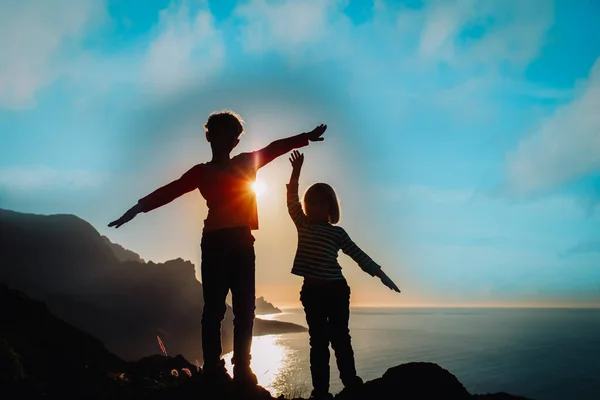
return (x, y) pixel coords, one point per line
(463, 136)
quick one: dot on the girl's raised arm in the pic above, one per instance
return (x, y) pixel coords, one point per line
(293, 201)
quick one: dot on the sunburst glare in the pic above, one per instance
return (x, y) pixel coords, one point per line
(259, 187)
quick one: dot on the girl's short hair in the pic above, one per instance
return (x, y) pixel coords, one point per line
(324, 192)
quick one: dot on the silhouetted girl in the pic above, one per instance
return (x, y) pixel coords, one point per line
(325, 294)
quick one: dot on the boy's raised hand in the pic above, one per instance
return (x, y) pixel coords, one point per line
(297, 159)
(315, 134)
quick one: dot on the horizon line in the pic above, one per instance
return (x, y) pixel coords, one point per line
(387, 306)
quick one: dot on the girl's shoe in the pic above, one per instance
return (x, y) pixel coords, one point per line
(320, 396)
(351, 388)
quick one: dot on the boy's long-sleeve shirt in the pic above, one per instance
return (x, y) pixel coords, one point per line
(319, 244)
(227, 186)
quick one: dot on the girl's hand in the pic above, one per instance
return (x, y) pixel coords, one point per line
(128, 216)
(389, 283)
(297, 159)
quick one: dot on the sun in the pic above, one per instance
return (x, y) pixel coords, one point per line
(259, 187)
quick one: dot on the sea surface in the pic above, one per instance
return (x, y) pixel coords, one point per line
(545, 354)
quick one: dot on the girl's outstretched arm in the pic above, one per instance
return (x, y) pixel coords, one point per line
(364, 261)
(360, 257)
(387, 281)
(293, 201)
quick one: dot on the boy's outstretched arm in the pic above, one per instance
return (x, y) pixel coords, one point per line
(164, 195)
(282, 146)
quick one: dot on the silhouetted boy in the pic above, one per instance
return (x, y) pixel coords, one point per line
(227, 242)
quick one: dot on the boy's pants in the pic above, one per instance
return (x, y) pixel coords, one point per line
(228, 264)
(327, 308)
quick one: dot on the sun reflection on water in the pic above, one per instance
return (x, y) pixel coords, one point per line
(270, 317)
(273, 363)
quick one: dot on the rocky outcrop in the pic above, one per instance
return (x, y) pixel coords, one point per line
(263, 307)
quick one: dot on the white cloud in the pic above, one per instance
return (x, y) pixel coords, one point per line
(443, 21)
(483, 49)
(286, 25)
(35, 178)
(509, 31)
(564, 146)
(187, 49)
(34, 37)
(518, 33)
(414, 42)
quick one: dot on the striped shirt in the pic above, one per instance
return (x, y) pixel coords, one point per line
(319, 244)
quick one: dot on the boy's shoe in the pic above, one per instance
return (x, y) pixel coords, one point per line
(244, 375)
(216, 375)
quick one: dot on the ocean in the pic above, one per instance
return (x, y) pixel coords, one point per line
(544, 354)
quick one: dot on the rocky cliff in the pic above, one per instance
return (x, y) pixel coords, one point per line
(107, 290)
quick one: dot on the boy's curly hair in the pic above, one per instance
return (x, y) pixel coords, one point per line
(225, 121)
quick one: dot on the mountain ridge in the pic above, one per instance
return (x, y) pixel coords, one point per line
(63, 260)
